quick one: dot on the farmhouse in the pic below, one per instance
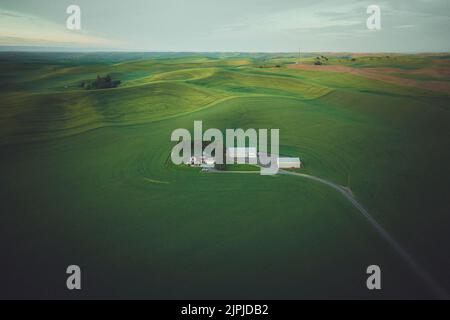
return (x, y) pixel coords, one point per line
(289, 163)
(203, 162)
(194, 161)
(208, 162)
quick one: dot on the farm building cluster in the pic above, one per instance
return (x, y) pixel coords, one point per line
(203, 162)
(242, 155)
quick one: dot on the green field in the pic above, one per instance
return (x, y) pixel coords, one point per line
(86, 178)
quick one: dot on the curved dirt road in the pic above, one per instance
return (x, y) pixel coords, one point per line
(422, 273)
(431, 283)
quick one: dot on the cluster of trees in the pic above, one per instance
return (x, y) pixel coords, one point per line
(320, 60)
(276, 66)
(101, 83)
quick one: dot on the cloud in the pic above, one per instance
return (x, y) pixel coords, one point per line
(232, 25)
(316, 16)
(24, 29)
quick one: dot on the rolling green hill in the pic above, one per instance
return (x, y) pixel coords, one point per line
(86, 179)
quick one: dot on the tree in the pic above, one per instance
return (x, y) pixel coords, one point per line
(101, 83)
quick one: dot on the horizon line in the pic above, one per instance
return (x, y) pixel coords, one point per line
(32, 49)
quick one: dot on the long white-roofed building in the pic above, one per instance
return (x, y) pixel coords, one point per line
(289, 163)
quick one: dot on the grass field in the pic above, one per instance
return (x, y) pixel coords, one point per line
(86, 177)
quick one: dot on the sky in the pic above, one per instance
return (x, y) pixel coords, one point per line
(228, 25)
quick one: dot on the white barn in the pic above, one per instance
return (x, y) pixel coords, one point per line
(289, 163)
